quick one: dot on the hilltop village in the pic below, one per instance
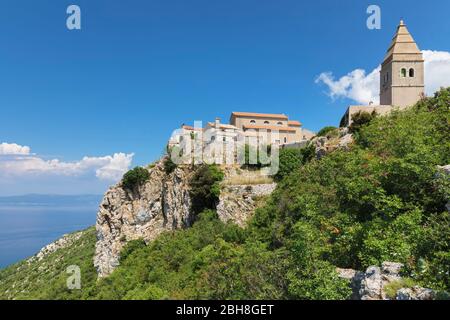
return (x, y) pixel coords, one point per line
(401, 85)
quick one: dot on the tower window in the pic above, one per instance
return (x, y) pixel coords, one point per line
(252, 121)
(411, 73)
(403, 72)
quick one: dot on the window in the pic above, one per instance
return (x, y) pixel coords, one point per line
(280, 123)
(285, 140)
(411, 73)
(387, 76)
(224, 139)
(403, 73)
(252, 121)
(266, 122)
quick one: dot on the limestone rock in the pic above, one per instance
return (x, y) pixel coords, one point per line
(64, 242)
(162, 204)
(237, 203)
(339, 139)
(415, 293)
(370, 285)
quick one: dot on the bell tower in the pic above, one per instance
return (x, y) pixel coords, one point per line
(402, 80)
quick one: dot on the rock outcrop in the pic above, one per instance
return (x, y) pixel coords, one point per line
(162, 204)
(340, 138)
(64, 242)
(238, 203)
(372, 284)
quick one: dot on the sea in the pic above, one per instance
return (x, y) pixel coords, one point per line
(28, 223)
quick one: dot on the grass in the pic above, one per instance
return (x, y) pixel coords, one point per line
(245, 180)
(391, 288)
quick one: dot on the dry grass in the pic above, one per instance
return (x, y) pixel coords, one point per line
(246, 180)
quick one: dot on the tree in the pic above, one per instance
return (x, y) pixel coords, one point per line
(205, 187)
(135, 178)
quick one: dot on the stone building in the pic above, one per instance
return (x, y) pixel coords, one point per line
(402, 75)
(288, 131)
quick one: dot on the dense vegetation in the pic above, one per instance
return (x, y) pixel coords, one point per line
(47, 279)
(382, 200)
(135, 177)
(292, 158)
(325, 131)
(205, 187)
(361, 119)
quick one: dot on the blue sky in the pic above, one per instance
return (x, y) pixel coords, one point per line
(138, 69)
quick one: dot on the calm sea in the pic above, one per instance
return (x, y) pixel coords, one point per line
(24, 230)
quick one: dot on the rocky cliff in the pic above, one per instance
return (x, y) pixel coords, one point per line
(162, 204)
(385, 283)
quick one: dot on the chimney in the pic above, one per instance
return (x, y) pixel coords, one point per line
(217, 123)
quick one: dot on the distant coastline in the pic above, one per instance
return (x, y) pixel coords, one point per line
(29, 222)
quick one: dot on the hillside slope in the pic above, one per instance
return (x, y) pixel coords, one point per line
(381, 199)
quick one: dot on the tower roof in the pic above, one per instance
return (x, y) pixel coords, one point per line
(403, 47)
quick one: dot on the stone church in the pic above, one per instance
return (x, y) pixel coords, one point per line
(402, 81)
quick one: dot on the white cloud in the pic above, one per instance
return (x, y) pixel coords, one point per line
(437, 70)
(364, 88)
(12, 148)
(16, 160)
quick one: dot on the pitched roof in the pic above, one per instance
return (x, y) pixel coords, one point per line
(266, 127)
(403, 47)
(294, 123)
(260, 115)
(191, 128)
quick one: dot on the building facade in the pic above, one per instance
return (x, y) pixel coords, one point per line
(287, 131)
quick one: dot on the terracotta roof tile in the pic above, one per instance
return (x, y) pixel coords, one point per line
(294, 123)
(260, 115)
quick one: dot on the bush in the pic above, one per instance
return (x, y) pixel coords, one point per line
(169, 165)
(255, 151)
(290, 160)
(135, 177)
(361, 119)
(205, 187)
(325, 131)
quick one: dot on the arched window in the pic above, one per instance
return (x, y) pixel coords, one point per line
(411, 73)
(280, 123)
(266, 122)
(252, 121)
(403, 72)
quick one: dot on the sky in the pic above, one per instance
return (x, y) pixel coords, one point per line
(80, 107)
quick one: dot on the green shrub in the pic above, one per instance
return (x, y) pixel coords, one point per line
(169, 165)
(130, 247)
(135, 177)
(361, 119)
(205, 187)
(392, 287)
(325, 131)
